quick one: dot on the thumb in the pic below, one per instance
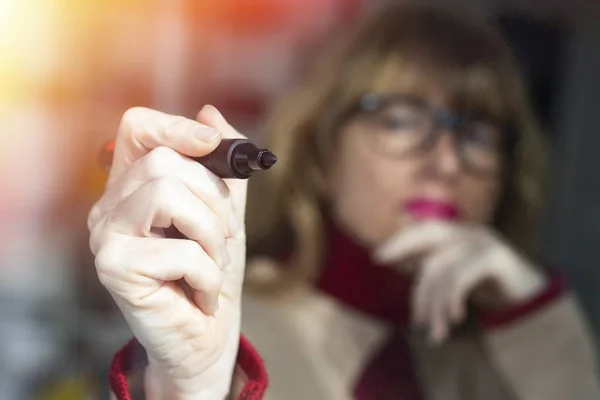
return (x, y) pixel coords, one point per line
(210, 116)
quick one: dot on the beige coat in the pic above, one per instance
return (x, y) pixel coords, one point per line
(314, 348)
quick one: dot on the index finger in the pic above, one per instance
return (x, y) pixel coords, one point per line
(416, 240)
(210, 116)
(143, 129)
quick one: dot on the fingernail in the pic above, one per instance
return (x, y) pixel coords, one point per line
(233, 224)
(206, 133)
(225, 258)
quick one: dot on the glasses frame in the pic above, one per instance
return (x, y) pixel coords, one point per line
(443, 121)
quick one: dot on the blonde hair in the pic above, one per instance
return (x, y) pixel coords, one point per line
(407, 48)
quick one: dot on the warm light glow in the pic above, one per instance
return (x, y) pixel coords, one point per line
(27, 33)
(6, 7)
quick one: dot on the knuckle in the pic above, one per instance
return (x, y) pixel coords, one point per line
(93, 217)
(213, 279)
(97, 235)
(164, 189)
(166, 184)
(211, 275)
(131, 118)
(165, 197)
(157, 162)
(217, 235)
(221, 231)
(107, 261)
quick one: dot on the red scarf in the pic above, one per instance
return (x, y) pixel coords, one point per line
(352, 277)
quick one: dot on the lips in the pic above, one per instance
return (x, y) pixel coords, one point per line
(432, 209)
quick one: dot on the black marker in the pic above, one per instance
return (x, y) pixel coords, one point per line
(233, 158)
(237, 158)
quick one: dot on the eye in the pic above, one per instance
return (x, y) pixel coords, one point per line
(401, 119)
(482, 134)
(396, 122)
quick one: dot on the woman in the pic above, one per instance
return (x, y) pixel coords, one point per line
(396, 230)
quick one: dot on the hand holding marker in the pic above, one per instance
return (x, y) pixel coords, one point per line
(233, 158)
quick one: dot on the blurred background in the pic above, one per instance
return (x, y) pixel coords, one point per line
(69, 69)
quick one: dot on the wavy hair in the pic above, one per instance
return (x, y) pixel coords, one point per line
(400, 48)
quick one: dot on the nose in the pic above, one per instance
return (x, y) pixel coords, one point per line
(444, 155)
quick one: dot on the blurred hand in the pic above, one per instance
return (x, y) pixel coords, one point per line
(457, 263)
(180, 296)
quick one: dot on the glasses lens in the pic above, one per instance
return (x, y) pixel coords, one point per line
(399, 127)
(481, 145)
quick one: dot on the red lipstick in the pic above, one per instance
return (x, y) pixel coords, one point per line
(423, 208)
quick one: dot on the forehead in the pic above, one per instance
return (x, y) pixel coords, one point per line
(474, 88)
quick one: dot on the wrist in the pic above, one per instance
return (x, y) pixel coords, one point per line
(518, 285)
(159, 386)
(554, 287)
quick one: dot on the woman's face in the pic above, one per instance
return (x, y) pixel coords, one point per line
(375, 189)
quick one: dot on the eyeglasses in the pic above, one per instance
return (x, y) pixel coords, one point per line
(402, 125)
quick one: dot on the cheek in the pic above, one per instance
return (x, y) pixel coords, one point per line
(479, 200)
(364, 194)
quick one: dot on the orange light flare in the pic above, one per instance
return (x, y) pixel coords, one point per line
(41, 81)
